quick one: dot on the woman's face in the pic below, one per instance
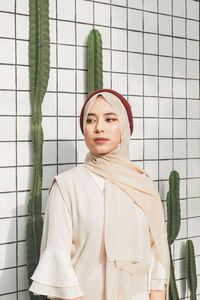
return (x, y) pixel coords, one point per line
(102, 122)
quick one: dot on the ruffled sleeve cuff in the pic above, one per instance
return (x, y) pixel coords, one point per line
(156, 274)
(55, 276)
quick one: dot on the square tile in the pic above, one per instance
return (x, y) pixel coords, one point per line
(24, 128)
(179, 148)
(150, 22)
(106, 60)
(22, 253)
(150, 107)
(165, 167)
(135, 41)
(193, 146)
(119, 61)
(119, 39)
(193, 109)
(52, 31)
(66, 104)
(82, 57)
(24, 153)
(7, 51)
(8, 179)
(150, 149)
(66, 80)
(7, 6)
(193, 187)
(179, 106)
(179, 128)
(192, 49)
(179, 67)
(8, 230)
(23, 82)
(151, 128)
(150, 43)
(136, 149)
(105, 35)
(8, 255)
(192, 69)
(165, 6)
(7, 74)
(66, 128)
(151, 167)
(193, 128)
(150, 5)
(81, 81)
(179, 88)
(49, 172)
(8, 282)
(23, 278)
(179, 8)
(150, 85)
(192, 88)
(165, 24)
(193, 9)
(22, 7)
(9, 30)
(119, 83)
(66, 10)
(7, 154)
(163, 83)
(178, 27)
(193, 207)
(136, 104)
(165, 149)
(7, 103)
(165, 107)
(8, 126)
(138, 132)
(49, 125)
(102, 14)
(193, 29)
(165, 128)
(22, 52)
(119, 18)
(82, 150)
(66, 56)
(22, 199)
(179, 47)
(135, 3)
(49, 105)
(193, 226)
(165, 45)
(63, 28)
(22, 27)
(165, 66)
(193, 167)
(8, 205)
(84, 11)
(135, 83)
(49, 152)
(151, 64)
(66, 152)
(52, 9)
(134, 19)
(119, 2)
(135, 63)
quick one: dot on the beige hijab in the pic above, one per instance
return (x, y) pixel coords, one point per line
(117, 168)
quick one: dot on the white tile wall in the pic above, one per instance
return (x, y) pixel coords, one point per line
(150, 55)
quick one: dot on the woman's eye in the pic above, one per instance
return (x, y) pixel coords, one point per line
(89, 120)
(111, 119)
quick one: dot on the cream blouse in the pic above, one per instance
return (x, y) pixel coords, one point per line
(55, 275)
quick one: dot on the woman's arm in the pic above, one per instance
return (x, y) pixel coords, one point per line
(78, 298)
(157, 294)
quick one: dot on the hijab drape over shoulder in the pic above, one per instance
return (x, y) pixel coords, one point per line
(124, 239)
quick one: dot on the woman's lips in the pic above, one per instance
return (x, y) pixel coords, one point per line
(100, 140)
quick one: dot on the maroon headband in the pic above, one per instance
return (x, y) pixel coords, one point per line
(123, 100)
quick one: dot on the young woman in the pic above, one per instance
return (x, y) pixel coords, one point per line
(104, 235)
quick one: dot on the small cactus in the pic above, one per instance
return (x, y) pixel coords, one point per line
(191, 275)
(95, 76)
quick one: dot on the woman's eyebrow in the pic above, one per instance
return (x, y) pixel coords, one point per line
(110, 113)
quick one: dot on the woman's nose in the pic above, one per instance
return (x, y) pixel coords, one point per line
(99, 125)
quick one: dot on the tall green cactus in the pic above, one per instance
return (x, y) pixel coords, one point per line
(191, 269)
(173, 225)
(95, 76)
(39, 50)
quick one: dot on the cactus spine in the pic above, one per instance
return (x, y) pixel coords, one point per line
(39, 50)
(95, 76)
(173, 225)
(191, 269)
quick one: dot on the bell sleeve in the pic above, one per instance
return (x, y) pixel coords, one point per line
(156, 274)
(55, 276)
